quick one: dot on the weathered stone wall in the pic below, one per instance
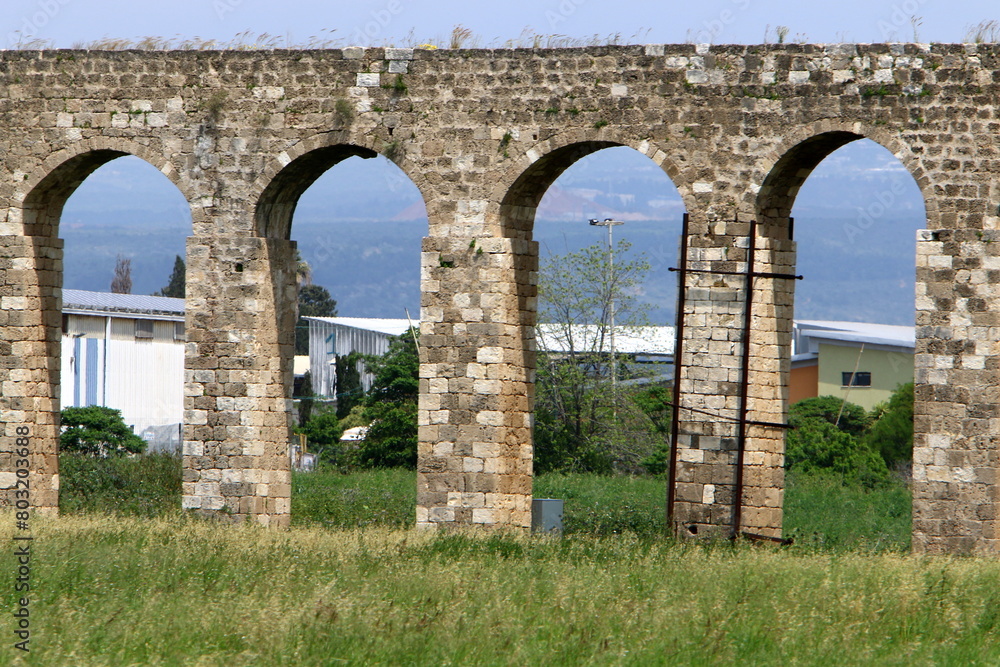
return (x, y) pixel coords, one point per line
(483, 133)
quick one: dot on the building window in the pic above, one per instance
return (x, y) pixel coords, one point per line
(859, 379)
(143, 329)
(178, 331)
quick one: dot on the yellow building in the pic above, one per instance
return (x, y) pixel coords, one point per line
(860, 362)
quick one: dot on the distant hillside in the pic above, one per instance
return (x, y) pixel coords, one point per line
(360, 227)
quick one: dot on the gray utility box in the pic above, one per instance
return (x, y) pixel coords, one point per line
(546, 515)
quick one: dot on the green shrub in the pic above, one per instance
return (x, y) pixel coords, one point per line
(98, 431)
(323, 432)
(891, 434)
(817, 446)
(147, 485)
(854, 419)
(391, 407)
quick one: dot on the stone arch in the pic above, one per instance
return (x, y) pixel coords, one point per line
(780, 175)
(783, 171)
(521, 187)
(33, 314)
(278, 189)
(44, 191)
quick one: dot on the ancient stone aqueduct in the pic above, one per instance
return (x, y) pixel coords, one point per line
(483, 133)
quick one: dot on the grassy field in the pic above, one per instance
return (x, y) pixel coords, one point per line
(175, 591)
(820, 513)
(352, 583)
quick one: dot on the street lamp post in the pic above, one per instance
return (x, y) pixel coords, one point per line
(609, 223)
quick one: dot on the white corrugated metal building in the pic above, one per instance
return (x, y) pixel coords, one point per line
(126, 351)
(333, 337)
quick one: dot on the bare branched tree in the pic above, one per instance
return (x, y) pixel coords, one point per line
(122, 282)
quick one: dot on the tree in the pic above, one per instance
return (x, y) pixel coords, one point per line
(575, 405)
(817, 446)
(122, 282)
(314, 301)
(323, 432)
(98, 431)
(350, 393)
(891, 434)
(391, 406)
(176, 283)
(848, 417)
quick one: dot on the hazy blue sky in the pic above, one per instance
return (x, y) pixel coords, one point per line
(66, 22)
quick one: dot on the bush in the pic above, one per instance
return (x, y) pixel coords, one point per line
(892, 432)
(854, 419)
(98, 431)
(323, 432)
(817, 446)
(148, 485)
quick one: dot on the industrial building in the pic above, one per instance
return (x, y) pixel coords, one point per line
(126, 351)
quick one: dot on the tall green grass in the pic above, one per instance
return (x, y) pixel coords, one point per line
(820, 512)
(147, 485)
(177, 591)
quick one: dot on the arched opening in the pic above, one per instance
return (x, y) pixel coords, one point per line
(600, 353)
(358, 221)
(843, 211)
(110, 343)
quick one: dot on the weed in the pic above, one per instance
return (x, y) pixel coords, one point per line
(393, 150)
(984, 32)
(504, 142)
(214, 105)
(398, 86)
(551, 111)
(881, 91)
(343, 111)
(446, 264)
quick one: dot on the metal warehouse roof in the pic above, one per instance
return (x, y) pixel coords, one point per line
(80, 301)
(628, 340)
(392, 327)
(857, 332)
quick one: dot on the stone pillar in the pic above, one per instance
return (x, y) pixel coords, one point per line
(956, 422)
(30, 333)
(711, 383)
(474, 460)
(238, 378)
